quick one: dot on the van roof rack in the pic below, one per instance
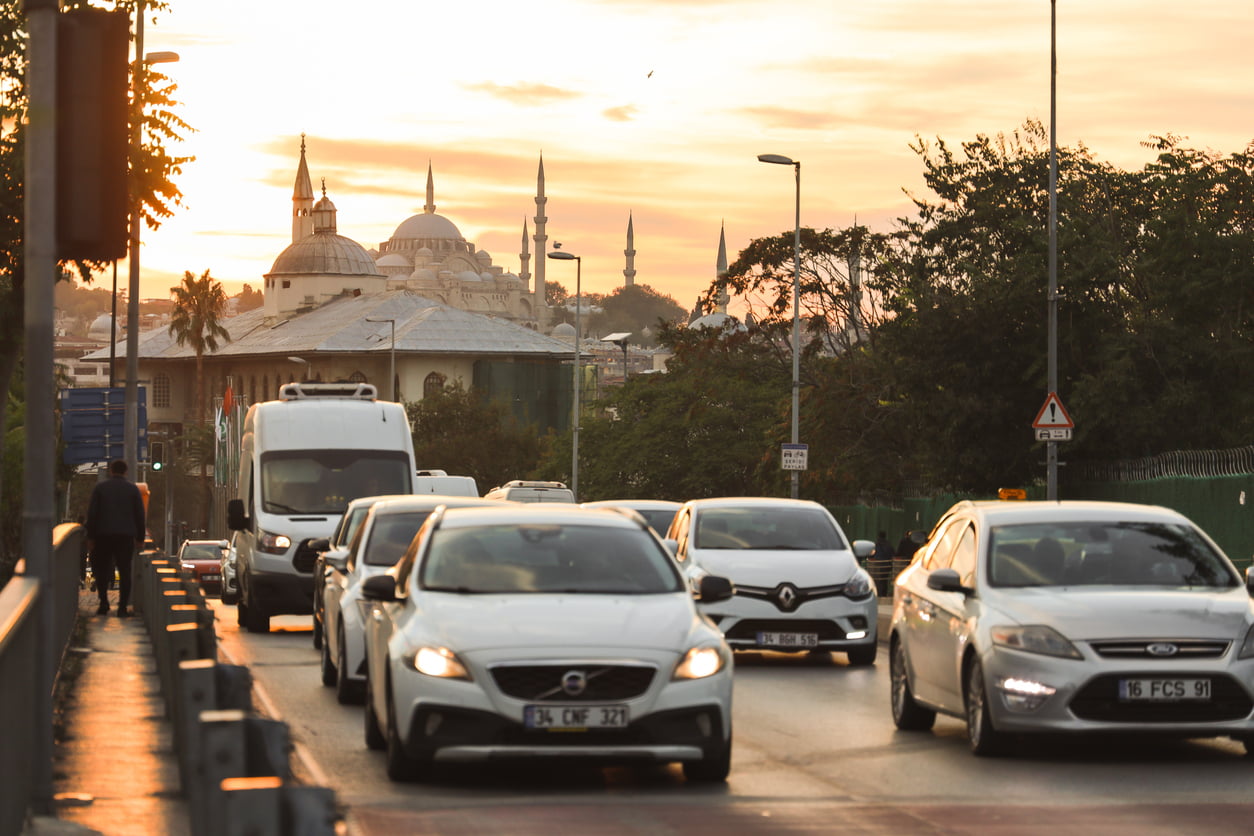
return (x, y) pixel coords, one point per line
(529, 483)
(303, 391)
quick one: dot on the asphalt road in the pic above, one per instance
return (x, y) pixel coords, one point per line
(815, 752)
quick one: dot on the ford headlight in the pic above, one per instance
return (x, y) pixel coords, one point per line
(439, 662)
(860, 585)
(1247, 646)
(1035, 638)
(273, 543)
(699, 663)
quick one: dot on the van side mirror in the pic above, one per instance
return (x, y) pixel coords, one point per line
(236, 519)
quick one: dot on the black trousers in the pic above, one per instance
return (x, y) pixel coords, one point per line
(109, 551)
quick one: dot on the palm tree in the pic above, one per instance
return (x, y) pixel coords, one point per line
(198, 308)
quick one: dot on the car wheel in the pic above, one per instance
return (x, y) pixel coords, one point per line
(864, 655)
(400, 766)
(374, 737)
(908, 715)
(984, 738)
(347, 691)
(712, 769)
(326, 666)
(257, 620)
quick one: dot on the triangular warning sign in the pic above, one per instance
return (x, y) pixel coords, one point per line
(1053, 414)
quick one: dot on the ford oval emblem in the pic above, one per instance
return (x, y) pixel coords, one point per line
(1162, 649)
(574, 683)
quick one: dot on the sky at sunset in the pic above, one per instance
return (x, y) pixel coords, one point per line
(657, 108)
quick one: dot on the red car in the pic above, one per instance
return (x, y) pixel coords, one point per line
(204, 559)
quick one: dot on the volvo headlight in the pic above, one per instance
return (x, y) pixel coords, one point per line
(273, 543)
(438, 662)
(1035, 638)
(1247, 646)
(860, 585)
(700, 662)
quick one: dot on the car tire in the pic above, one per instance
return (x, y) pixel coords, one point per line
(347, 691)
(400, 765)
(375, 739)
(229, 598)
(864, 655)
(255, 619)
(325, 665)
(713, 769)
(985, 739)
(908, 715)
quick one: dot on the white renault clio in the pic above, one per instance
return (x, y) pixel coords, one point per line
(544, 631)
(797, 580)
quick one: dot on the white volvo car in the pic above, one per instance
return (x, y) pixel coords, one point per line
(544, 631)
(797, 579)
(1072, 617)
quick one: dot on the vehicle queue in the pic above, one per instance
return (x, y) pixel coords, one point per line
(545, 630)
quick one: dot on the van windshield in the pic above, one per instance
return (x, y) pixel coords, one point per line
(325, 481)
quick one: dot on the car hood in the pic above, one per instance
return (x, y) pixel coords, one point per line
(770, 567)
(1085, 614)
(468, 623)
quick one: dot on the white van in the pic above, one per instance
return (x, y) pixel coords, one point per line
(438, 481)
(523, 490)
(302, 459)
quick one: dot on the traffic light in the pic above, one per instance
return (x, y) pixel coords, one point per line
(156, 453)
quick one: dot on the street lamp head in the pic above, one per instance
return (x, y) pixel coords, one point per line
(562, 255)
(778, 159)
(161, 57)
(298, 359)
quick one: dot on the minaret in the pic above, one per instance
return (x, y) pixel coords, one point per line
(541, 240)
(524, 257)
(302, 199)
(430, 207)
(720, 269)
(630, 273)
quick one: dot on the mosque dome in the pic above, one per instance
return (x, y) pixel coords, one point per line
(718, 321)
(483, 257)
(392, 260)
(563, 331)
(469, 276)
(325, 253)
(427, 226)
(101, 327)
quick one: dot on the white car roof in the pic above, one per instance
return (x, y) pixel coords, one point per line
(751, 502)
(555, 513)
(428, 502)
(639, 504)
(1010, 512)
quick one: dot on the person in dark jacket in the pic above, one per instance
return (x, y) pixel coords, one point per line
(115, 523)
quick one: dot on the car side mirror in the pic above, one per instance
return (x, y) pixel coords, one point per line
(862, 549)
(337, 561)
(713, 589)
(1249, 579)
(236, 519)
(946, 580)
(379, 588)
(319, 544)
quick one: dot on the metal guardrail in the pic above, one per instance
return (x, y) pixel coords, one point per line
(233, 765)
(1235, 461)
(19, 600)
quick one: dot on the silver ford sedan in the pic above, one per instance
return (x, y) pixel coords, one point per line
(1072, 617)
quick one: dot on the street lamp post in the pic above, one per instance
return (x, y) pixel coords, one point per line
(392, 364)
(562, 255)
(796, 295)
(130, 446)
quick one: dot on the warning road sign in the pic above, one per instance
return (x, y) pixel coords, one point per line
(1053, 415)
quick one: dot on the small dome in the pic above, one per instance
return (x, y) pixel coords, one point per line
(424, 274)
(717, 321)
(392, 260)
(563, 331)
(427, 225)
(424, 251)
(483, 257)
(469, 276)
(101, 327)
(325, 253)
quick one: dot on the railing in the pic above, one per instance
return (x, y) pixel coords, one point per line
(18, 668)
(1236, 461)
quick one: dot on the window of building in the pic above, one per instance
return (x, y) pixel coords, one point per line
(161, 391)
(433, 384)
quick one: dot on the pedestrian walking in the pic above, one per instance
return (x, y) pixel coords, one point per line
(115, 523)
(881, 563)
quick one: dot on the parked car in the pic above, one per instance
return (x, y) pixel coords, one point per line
(230, 583)
(204, 559)
(797, 579)
(658, 513)
(522, 490)
(377, 543)
(544, 632)
(337, 543)
(1072, 617)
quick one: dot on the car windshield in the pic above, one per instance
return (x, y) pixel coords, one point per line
(206, 551)
(658, 519)
(323, 481)
(1104, 553)
(806, 529)
(391, 535)
(548, 558)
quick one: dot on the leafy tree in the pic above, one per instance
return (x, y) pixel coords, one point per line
(636, 309)
(249, 299)
(461, 432)
(199, 308)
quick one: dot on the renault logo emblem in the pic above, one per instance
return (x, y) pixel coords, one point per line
(574, 683)
(1162, 649)
(786, 597)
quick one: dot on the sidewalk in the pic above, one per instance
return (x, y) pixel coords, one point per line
(114, 768)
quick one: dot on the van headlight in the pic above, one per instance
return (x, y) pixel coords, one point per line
(1035, 638)
(1247, 646)
(273, 543)
(699, 663)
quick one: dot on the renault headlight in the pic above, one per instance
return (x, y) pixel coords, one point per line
(438, 662)
(699, 663)
(1035, 638)
(860, 585)
(1247, 646)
